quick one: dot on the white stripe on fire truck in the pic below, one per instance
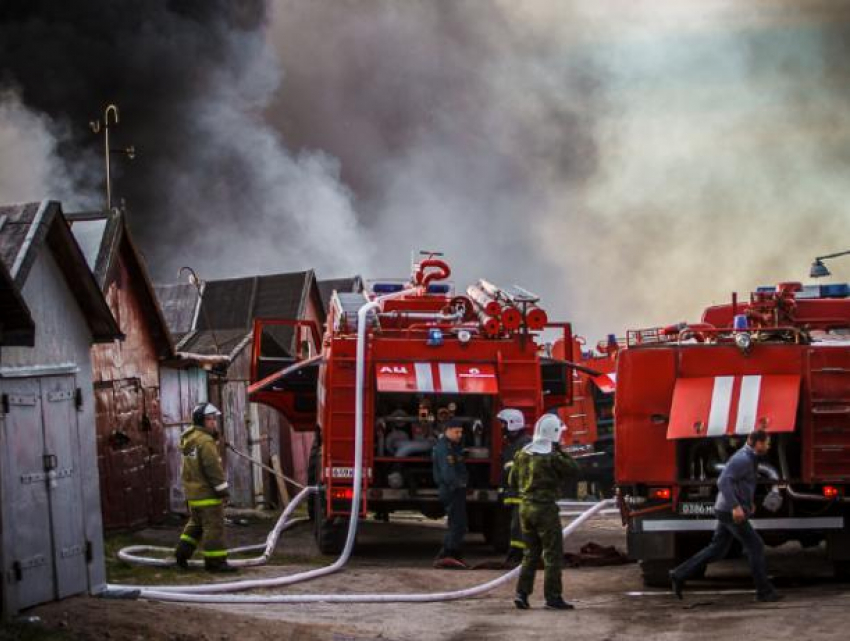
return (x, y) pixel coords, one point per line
(721, 401)
(748, 404)
(448, 378)
(424, 378)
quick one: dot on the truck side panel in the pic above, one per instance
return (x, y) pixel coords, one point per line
(642, 407)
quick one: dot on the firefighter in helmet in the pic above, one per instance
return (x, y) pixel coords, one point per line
(450, 475)
(538, 475)
(515, 438)
(206, 491)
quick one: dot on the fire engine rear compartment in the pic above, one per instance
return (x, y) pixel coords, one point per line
(673, 496)
(404, 437)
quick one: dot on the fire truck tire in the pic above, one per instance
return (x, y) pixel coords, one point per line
(329, 534)
(841, 571)
(497, 528)
(656, 573)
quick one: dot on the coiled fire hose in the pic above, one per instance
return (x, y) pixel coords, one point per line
(215, 592)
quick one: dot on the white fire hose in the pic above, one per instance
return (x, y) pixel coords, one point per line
(213, 593)
(133, 553)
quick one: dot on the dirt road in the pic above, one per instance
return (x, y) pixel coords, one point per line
(396, 557)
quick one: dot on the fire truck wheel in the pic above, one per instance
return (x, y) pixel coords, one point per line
(656, 573)
(497, 528)
(329, 533)
(841, 570)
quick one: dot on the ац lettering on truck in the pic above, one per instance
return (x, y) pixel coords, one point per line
(688, 395)
(431, 355)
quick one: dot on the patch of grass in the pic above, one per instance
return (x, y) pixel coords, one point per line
(33, 632)
(117, 571)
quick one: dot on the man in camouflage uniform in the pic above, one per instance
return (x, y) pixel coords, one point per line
(451, 477)
(206, 491)
(515, 438)
(539, 472)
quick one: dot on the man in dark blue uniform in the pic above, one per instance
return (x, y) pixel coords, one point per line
(734, 507)
(451, 477)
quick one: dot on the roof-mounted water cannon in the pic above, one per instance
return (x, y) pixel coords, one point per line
(423, 279)
(819, 270)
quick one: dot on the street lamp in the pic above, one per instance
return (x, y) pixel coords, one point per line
(819, 270)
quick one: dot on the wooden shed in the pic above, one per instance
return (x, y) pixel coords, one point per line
(222, 329)
(183, 381)
(130, 438)
(52, 536)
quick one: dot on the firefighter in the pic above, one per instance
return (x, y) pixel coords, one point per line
(538, 475)
(734, 507)
(206, 491)
(451, 476)
(515, 438)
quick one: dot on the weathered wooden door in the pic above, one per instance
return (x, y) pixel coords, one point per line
(45, 549)
(62, 465)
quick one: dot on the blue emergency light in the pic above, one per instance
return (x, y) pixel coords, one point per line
(435, 337)
(740, 323)
(387, 288)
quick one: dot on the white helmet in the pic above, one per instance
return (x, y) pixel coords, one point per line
(514, 419)
(547, 431)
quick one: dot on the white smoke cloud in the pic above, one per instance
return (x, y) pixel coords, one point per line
(633, 162)
(29, 167)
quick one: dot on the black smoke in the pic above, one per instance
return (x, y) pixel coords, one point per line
(192, 79)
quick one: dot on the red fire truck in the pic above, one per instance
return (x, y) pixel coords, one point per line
(431, 355)
(589, 418)
(688, 395)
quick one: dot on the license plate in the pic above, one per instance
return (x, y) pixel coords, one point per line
(696, 509)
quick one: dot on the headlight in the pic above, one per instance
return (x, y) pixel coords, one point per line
(744, 341)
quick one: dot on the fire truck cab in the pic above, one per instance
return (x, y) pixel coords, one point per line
(431, 355)
(688, 395)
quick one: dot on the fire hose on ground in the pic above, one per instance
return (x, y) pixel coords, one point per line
(216, 592)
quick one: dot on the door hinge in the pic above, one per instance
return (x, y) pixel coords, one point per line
(4, 403)
(78, 398)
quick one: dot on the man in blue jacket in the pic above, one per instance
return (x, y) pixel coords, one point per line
(734, 507)
(451, 477)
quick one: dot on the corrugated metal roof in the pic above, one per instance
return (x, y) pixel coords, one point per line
(179, 303)
(229, 307)
(27, 228)
(208, 342)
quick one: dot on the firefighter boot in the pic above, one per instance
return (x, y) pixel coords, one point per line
(218, 564)
(182, 553)
(521, 601)
(558, 603)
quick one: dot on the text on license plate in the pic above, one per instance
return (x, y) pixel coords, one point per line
(696, 509)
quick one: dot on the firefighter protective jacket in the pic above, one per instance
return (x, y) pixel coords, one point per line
(203, 476)
(540, 478)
